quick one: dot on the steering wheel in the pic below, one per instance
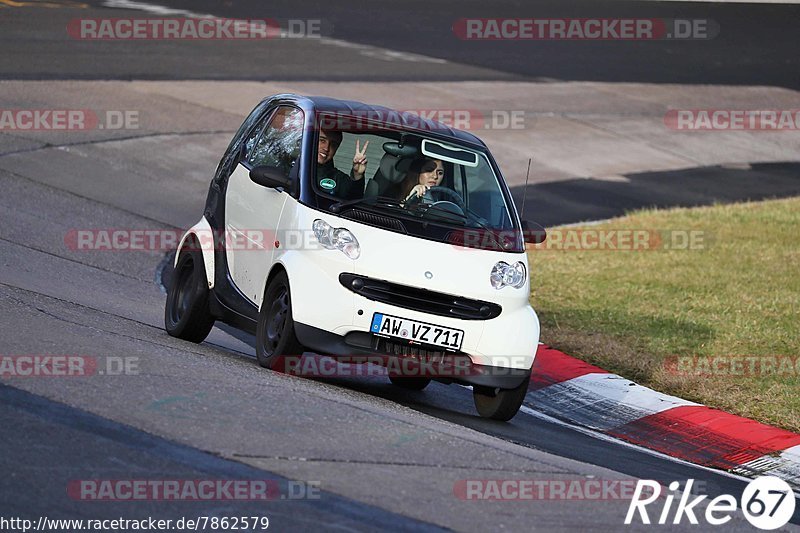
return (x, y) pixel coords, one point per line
(453, 195)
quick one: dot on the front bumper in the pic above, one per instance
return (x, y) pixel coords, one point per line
(319, 300)
(448, 368)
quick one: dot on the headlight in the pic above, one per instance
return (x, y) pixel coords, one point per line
(336, 239)
(504, 274)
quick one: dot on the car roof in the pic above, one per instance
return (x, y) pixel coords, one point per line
(405, 120)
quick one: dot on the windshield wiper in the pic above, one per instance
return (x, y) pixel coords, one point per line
(372, 200)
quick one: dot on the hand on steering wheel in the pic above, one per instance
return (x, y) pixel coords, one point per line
(451, 194)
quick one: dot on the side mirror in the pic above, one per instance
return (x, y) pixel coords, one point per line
(272, 177)
(533, 233)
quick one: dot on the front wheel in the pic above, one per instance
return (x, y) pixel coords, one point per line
(500, 404)
(275, 335)
(186, 312)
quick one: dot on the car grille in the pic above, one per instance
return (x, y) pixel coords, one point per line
(372, 219)
(417, 299)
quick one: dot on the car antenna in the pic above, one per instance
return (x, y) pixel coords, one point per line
(525, 192)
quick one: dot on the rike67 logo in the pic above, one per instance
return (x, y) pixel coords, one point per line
(767, 503)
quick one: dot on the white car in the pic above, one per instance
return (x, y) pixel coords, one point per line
(413, 253)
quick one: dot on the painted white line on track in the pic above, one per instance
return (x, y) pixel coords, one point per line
(784, 464)
(376, 52)
(604, 401)
(792, 453)
(627, 392)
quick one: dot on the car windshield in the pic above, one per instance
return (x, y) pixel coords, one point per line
(414, 184)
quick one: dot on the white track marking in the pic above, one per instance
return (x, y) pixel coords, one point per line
(367, 50)
(785, 465)
(604, 401)
(792, 453)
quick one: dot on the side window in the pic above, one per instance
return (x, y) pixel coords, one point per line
(250, 142)
(234, 151)
(278, 145)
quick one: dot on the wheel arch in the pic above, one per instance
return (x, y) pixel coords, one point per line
(201, 237)
(276, 269)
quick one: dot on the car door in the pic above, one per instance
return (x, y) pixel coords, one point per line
(252, 211)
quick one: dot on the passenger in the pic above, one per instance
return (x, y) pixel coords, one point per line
(332, 180)
(423, 174)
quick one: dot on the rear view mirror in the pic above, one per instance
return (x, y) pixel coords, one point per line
(452, 154)
(272, 177)
(533, 232)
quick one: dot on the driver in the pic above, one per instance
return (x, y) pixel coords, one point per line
(423, 174)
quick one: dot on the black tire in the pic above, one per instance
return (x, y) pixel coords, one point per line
(409, 383)
(186, 312)
(500, 404)
(275, 337)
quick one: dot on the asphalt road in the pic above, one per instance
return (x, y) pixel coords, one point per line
(756, 44)
(47, 445)
(384, 458)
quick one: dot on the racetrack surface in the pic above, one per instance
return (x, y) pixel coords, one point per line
(756, 44)
(384, 458)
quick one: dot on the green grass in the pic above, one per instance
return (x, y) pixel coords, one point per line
(738, 295)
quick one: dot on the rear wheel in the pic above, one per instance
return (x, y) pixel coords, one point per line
(499, 404)
(410, 383)
(186, 312)
(275, 337)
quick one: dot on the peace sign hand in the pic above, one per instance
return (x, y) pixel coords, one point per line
(360, 160)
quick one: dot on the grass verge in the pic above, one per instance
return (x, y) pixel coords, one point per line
(702, 303)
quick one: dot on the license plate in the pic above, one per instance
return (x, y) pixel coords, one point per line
(416, 332)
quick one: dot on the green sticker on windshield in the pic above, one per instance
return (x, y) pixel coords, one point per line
(327, 183)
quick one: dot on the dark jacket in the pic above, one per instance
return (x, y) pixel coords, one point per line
(335, 182)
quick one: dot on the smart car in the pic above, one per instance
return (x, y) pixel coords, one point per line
(347, 230)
